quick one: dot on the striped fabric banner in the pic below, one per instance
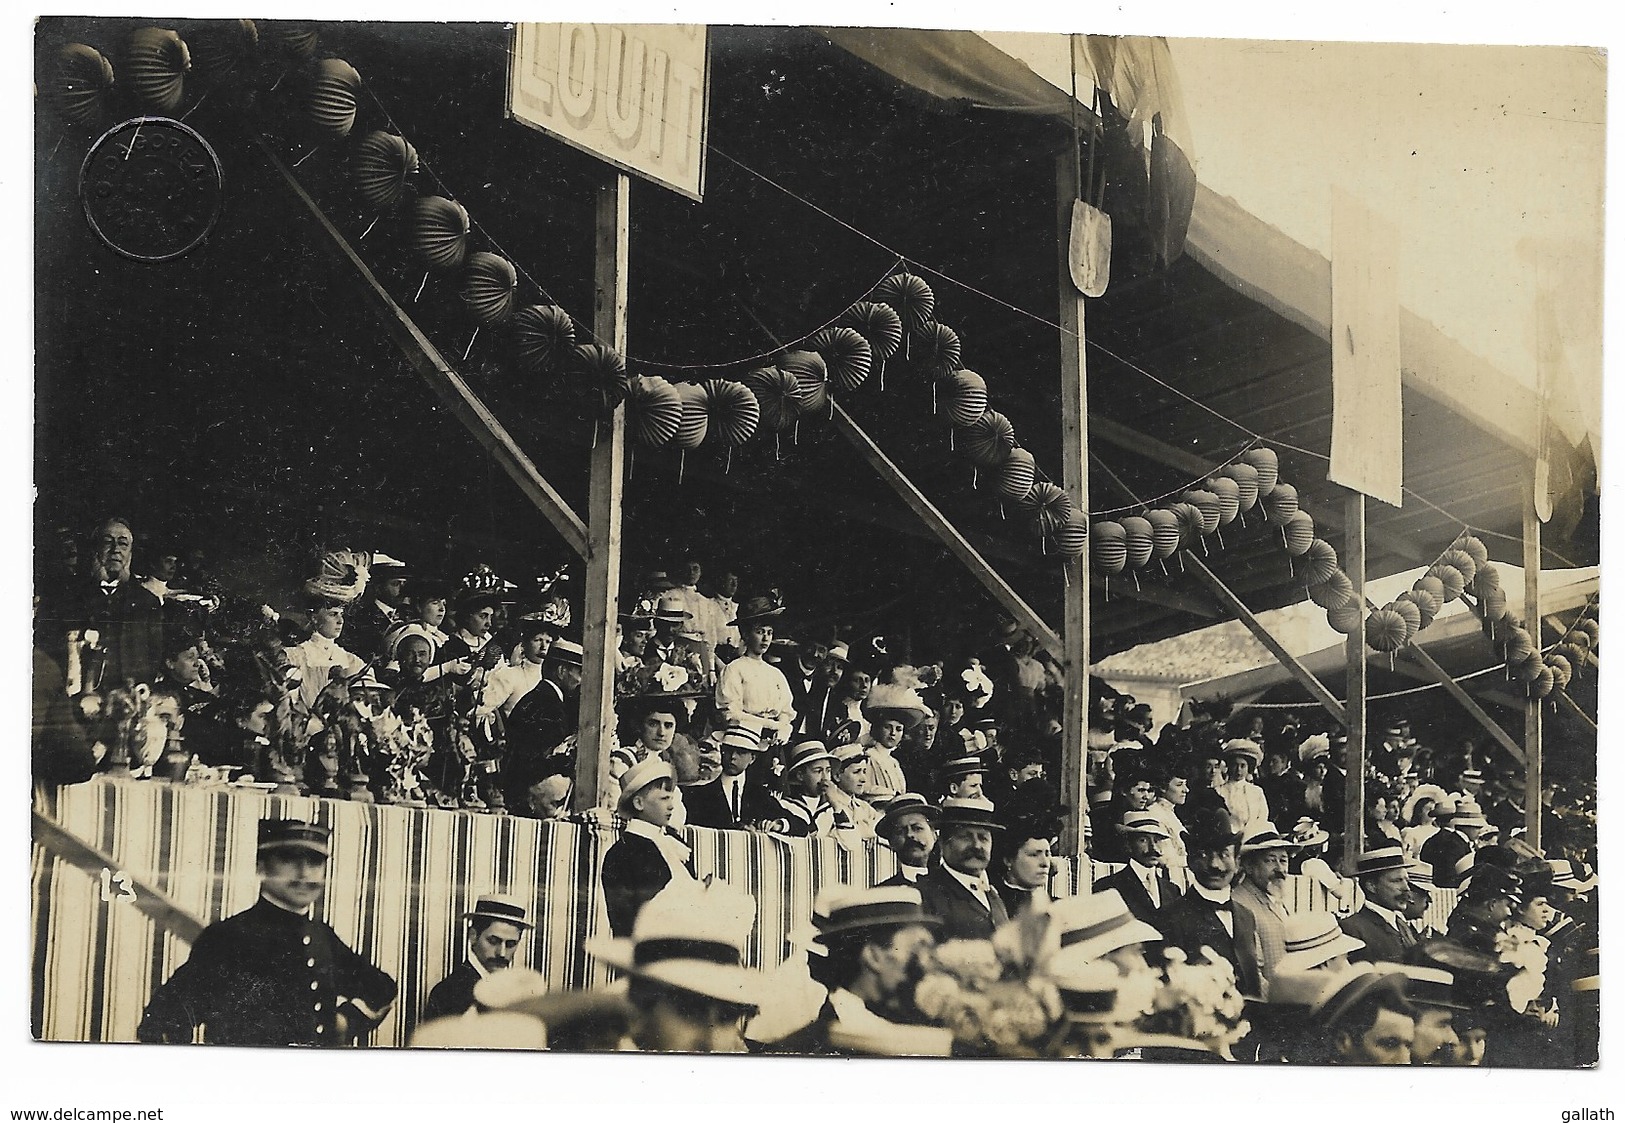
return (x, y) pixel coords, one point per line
(398, 883)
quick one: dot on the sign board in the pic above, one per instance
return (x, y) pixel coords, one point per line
(635, 95)
(1368, 415)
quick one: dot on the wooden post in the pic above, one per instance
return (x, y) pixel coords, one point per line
(608, 468)
(1075, 481)
(1532, 720)
(1354, 706)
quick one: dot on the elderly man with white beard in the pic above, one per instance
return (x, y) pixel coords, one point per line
(1264, 859)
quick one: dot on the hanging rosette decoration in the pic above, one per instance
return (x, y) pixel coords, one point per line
(911, 298)
(880, 325)
(1462, 562)
(987, 440)
(1318, 563)
(1517, 645)
(1229, 495)
(604, 369)
(1140, 538)
(1051, 506)
(1268, 466)
(1474, 548)
(1246, 477)
(778, 397)
(1345, 617)
(1297, 532)
(543, 335)
(694, 425)
(1451, 578)
(328, 98)
(1335, 590)
(1562, 670)
(940, 350)
(80, 85)
(380, 166)
(963, 398)
(1207, 505)
(1108, 551)
(1427, 602)
(222, 49)
(1015, 475)
(732, 414)
(846, 356)
(1543, 683)
(155, 68)
(490, 286)
(1408, 612)
(1281, 504)
(294, 42)
(1493, 604)
(1385, 631)
(1191, 526)
(654, 410)
(1071, 538)
(812, 380)
(1165, 533)
(439, 234)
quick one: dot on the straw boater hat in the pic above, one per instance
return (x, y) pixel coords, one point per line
(848, 908)
(692, 937)
(1094, 925)
(1263, 836)
(565, 651)
(739, 736)
(1143, 822)
(1466, 813)
(1306, 834)
(1088, 991)
(496, 906)
(645, 772)
(1427, 986)
(1421, 875)
(670, 608)
(887, 702)
(850, 754)
(1564, 876)
(806, 752)
(960, 767)
(1380, 860)
(1350, 987)
(293, 834)
(970, 813)
(1312, 938)
(903, 804)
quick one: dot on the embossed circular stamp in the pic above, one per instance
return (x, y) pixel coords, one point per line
(152, 188)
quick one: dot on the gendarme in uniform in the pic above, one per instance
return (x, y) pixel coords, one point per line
(273, 974)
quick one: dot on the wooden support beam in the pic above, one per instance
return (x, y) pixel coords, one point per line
(1354, 655)
(947, 533)
(1532, 713)
(447, 384)
(608, 467)
(1575, 706)
(1431, 670)
(1159, 595)
(1306, 678)
(1074, 384)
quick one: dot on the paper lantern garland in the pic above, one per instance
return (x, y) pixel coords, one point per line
(222, 49)
(543, 335)
(911, 298)
(294, 42)
(733, 411)
(1298, 531)
(380, 167)
(1266, 464)
(1071, 538)
(604, 369)
(1014, 477)
(878, 323)
(1246, 478)
(1452, 580)
(1385, 630)
(1345, 617)
(1460, 561)
(155, 68)
(81, 85)
(1229, 496)
(654, 410)
(1109, 552)
(778, 396)
(939, 350)
(846, 354)
(1408, 612)
(1207, 504)
(1051, 508)
(1140, 538)
(1334, 591)
(1164, 532)
(328, 99)
(439, 233)
(812, 381)
(962, 398)
(490, 286)
(1318, 563)
(988, 439)
(1474, 548)
(695, 421)
(1281, 503)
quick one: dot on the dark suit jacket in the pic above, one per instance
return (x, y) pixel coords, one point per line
(1191, 922)
(963, 917)
(454, 994)
(540, 721)
(1383, 943)
(1444, 850)
(1135, 896)
(130, 620)
(634, 871)
(707, 806)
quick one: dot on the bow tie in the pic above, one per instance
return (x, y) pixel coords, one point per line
(1219, 906)
(109, 586)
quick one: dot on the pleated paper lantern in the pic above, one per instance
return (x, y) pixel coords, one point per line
(1141, 538)
(938, 350)
(779, 396)
(1574, 653)
(1318, 563)
(1052, 508)
(1071, 538)
(1517, 645)
(812, 381)
(1281, 503)
(80, 85)
(1474, 548)
(490, 286)
(1268, 466)
(223, 49)
(1207, 503)
(1544, 682)
(1589, 628)
(1529, 668)
(962, 398)
(1494, 604)
(1191, 524)
(1109, 550)
(1427, 602)
(1335, 591)
(439, 233)
(1015, 475)
(1459, 559)
(1579, 639)
(1433, 585)
(1486, 577)
(604, 369)
(1409, 613)
(695, 422)
(328, 98)
(1039, 494)
(910, 297)
(1562, 670)
(987, 440)
(1385, 630)
(1229, 497)
(877, 323)
(733, 411)
(1164, 532)
(543, 335)
(846, 356)
(155, 68)
(292, 41)
(654, 410)
(1298, 531)
(1451, 578)
(380, 166)
(1246, 477)
(1345, 617)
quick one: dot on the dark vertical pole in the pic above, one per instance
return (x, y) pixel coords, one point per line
(1354, 707)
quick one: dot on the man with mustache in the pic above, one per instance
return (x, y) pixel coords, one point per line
(496, 924)
(126, 615)
(908, 826)
(1206, 916)
(1264, 858)
(273, 974)
(957, 889)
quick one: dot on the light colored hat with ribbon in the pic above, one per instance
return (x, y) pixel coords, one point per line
(692, 937)
(1313, 938)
